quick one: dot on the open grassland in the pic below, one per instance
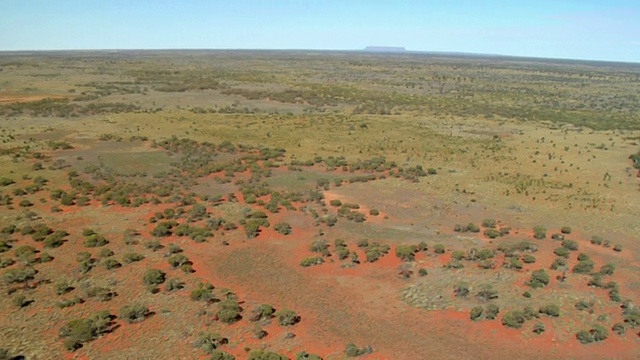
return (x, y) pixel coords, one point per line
(307, 205)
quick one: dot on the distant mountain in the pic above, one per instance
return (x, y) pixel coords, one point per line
(385, 49)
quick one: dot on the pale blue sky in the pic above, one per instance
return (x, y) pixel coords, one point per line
(577, 29)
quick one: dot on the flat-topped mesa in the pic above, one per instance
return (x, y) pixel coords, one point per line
(385, 49)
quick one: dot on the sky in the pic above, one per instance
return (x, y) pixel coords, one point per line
(570, 29)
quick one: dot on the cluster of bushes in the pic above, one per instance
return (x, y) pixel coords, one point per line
(597, 240)
(490, 312)
(471, 227)
(596, 334)
(93, 239)
(516, 318)
(373, 250)
(195, 233)
(79, 331)
(343, 252)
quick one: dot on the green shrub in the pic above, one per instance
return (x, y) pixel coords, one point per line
(106, 252)
(128, 258)
(264, 311)
(461, 289)
(583, 257)
(20, 275)
(210, 342)
(63, 287)
(439, 249)
(607, 269)
(20, 301)
(562, 252)
(487, 292)
(111, 263)
(153, 277)
(283, 228)
(471, 227)
(306, 356)
(489, 223)
(353, 351)
(134, 313)
(538, 328)
(514, 263)
(599, 333)
(4, 181)
(513, 319)
(619, 328)
(311, 261)
(202, 293)
(492, 233)
(406, 252)
(265, 355)
(528, 259)
(79, 331)
(539, 278)
(583, 305)
(178, 260)
(570, 244)
(565, 230)
(558, 263)
(287, 317)
(584, 337)
(153, 245)
(221, 355)
(173, 285)
(95, 240)
(550, 309)
(491, 312)
(476, 313)
(583, 267)
(539, 232)
(228, 316)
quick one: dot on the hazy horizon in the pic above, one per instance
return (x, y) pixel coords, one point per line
(564, 29)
